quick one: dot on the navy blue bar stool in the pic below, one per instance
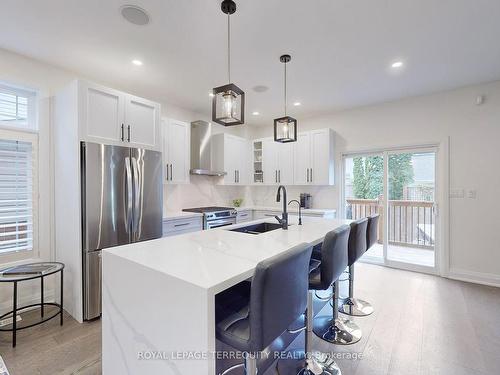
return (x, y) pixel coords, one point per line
(250, 316)
(363, 232)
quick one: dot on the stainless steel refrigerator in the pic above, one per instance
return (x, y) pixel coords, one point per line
(122, 202)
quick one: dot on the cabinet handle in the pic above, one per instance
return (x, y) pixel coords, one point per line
(122, 133)
(307, 174)
(128, 133)
(181, 225)
(238, 176)
(311, 175)
(166, 168)
(279, 176)
(171, 172)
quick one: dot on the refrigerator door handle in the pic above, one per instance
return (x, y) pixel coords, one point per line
(128, 174)
(137, 196)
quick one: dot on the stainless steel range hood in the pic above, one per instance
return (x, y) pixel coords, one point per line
(201, 150)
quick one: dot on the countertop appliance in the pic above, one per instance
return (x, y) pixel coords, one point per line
(122, 202)
(215, 217)
(305, 200)
(201, 150)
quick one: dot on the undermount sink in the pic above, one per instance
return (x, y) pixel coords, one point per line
(257, 228)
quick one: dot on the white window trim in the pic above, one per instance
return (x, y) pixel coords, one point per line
(7, 259)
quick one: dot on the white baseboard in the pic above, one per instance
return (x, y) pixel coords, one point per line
(474, 277)
(26, 300)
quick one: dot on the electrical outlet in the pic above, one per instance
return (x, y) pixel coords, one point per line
(457, 193)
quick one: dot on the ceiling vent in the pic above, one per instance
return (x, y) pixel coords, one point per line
(135, 15)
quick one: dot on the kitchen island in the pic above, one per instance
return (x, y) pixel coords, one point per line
(158, 296)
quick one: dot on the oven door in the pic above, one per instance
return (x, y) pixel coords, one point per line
(211, 224)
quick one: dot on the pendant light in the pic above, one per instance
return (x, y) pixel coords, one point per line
(228, 102)
(285, 128)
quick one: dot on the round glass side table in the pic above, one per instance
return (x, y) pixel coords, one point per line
(31, 271)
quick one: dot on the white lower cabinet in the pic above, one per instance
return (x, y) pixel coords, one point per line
(176, 226)
(243, 216)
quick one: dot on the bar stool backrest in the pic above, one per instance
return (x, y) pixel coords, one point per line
(278, 295)
(357, 240)
(372, 230)
(334, 255)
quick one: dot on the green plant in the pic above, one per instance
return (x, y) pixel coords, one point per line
(237, 202)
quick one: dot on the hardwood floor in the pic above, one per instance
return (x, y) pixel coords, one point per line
(422, 324)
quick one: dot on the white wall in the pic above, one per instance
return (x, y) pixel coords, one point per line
(474, 157)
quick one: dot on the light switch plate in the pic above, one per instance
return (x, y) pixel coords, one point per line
(457, 193)
(472, 194)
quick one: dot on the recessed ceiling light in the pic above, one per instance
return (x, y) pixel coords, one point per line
(137, 62)
(397, 64)
(256, 113)
(135, 15)
(296, 104)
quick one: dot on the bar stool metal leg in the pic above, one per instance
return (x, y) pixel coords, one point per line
(250, 365)
(316, 363)
(354, 306)
(337, 330)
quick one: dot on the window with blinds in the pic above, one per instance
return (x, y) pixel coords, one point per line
(16, 196)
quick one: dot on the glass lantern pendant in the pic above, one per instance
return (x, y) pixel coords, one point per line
(285, 128)
(228, 102)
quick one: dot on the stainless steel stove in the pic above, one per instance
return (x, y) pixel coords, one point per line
(215, 217)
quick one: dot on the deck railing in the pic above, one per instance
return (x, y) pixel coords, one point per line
(411, 223)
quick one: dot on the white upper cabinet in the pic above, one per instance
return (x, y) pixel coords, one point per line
(231, 154)
(277, 162)
(176, 151)
(269, 162)
(142, 120)
(285, 163)
(102, 113)
(113, 117)
(314, 158)
(302, 157)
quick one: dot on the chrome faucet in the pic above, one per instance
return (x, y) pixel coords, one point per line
(284, 215)
(300, 209)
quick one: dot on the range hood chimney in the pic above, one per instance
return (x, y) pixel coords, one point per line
(201, 150)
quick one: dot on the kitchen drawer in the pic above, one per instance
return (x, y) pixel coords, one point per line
(190, 224)
(243, 216)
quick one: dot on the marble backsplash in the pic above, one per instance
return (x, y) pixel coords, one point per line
(204, 191)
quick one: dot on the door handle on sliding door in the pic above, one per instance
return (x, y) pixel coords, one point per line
(128, 176)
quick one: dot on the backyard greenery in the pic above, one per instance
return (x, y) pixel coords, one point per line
(368, 176)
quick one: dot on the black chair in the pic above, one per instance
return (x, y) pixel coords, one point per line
(334, 260)
(250, 316)
(361, 234)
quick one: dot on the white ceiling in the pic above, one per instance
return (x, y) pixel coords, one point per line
(341, 49)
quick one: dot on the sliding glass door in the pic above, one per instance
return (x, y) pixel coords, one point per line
(407, 229)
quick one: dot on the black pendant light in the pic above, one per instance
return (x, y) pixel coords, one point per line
(285, 128)
(228, 102)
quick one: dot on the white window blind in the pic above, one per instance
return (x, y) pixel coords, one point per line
(17, 107)
(16, 196)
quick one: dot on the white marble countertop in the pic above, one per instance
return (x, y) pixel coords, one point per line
(172, 215)
(218, 258)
